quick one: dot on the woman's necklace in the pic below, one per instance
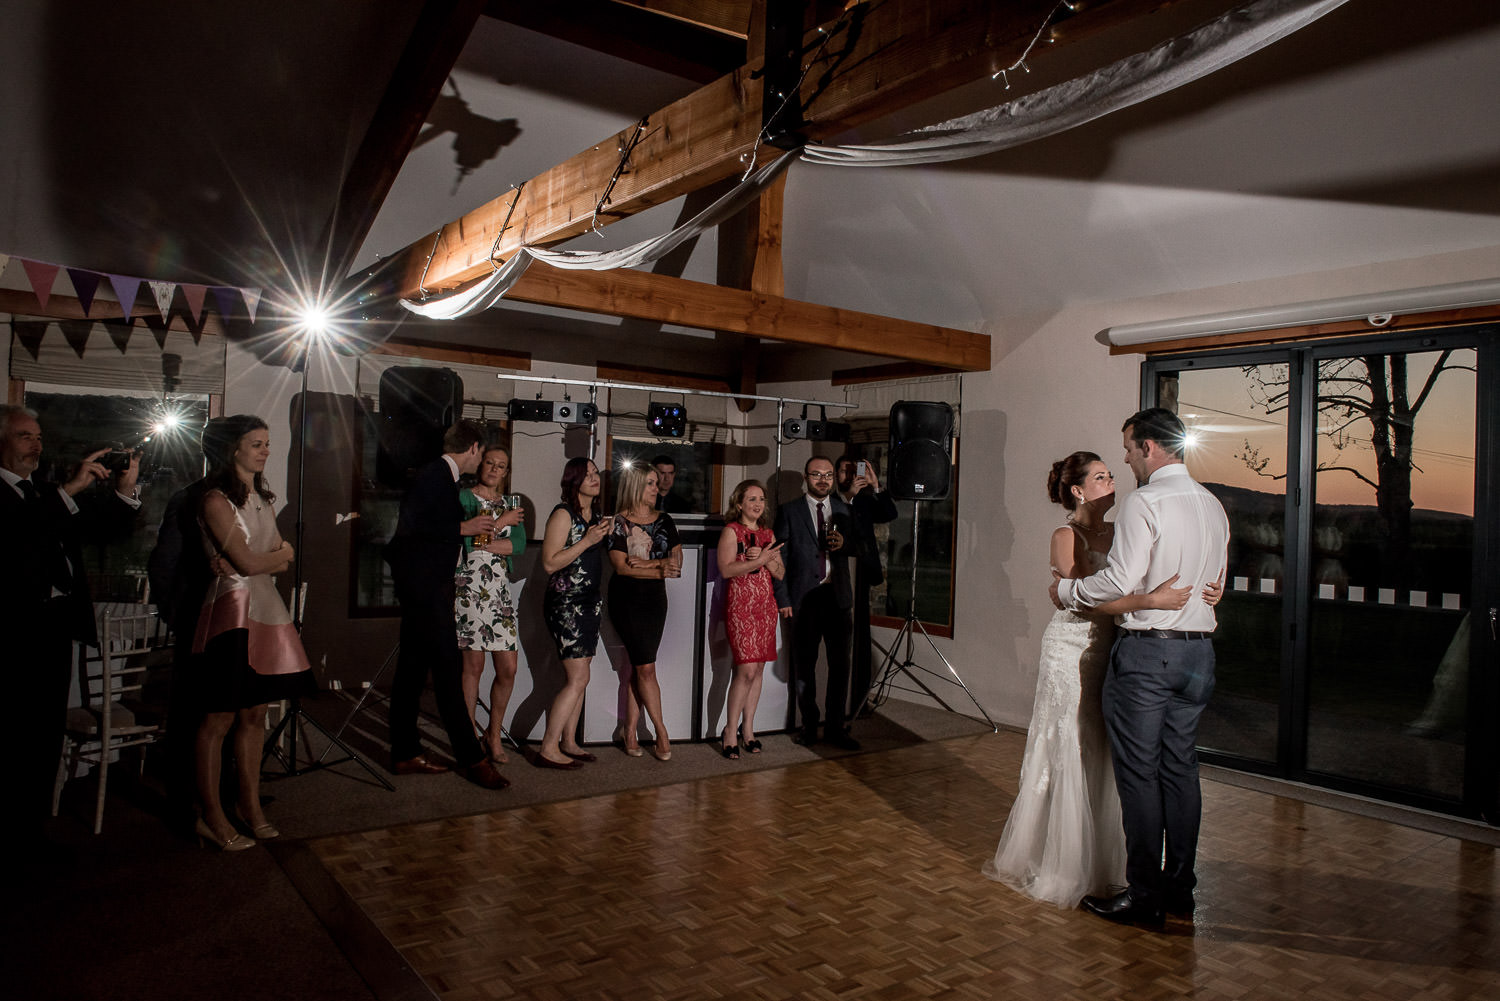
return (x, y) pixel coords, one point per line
(1088, 529)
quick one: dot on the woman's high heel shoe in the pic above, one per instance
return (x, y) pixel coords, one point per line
(235, 843)
(264, 832)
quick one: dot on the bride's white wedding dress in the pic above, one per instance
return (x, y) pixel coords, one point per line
(1063, 838)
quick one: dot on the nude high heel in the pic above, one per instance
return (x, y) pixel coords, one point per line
(235, 843)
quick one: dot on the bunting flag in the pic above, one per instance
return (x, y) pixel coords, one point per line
(29, 333)
(76, 333)
(85, 283)
(194, 295)
(162, 292)
(158, 327)
(41, 276)
(126, 290)
(225, 299)
(252, 299)
(119, 332)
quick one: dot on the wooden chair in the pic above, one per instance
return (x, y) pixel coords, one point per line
(113, 715)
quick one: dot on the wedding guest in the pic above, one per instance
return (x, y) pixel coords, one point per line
(859, 486)
(483, 607)
(250, 652)
(44, 599)
(644, 550)
(572, 552)
(749, 557)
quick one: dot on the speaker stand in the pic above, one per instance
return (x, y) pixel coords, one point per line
(890, 668)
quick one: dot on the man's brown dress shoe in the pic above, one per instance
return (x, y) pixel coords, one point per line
(486, 775)
(419, 766)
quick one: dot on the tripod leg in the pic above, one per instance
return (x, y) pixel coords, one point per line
(886, 670)
(958, 680)
(350, 754)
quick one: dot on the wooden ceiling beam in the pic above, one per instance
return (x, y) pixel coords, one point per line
(892, 55)
(664, 299)
(693, 50)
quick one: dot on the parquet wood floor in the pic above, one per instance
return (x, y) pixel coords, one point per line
(858, 878)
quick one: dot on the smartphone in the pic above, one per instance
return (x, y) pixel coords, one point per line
(862, 468)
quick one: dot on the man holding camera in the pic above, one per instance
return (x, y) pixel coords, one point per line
(859, 486)
(44, 598)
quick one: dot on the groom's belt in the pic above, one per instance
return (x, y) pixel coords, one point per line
(1170, 634)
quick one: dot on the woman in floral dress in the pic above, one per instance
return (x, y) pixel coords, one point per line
(483, 605)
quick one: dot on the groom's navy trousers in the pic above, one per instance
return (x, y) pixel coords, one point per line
(1153, 695)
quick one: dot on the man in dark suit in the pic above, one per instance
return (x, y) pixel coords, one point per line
(816, 596)
(666, 475)
(423, 554)
(859, 486)
(44, 597)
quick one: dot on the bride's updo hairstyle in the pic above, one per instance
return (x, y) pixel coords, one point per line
(1067, 474)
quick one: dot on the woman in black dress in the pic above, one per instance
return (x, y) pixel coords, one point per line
(572, 552)
(644, 550)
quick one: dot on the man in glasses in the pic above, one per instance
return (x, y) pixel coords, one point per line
(816, 597)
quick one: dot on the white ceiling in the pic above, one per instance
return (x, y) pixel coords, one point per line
(192, 142)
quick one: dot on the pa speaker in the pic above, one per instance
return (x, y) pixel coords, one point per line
(921, 451)
(417, 405)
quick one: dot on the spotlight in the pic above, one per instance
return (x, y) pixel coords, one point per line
(667, 420)
(551, 412)
(801, 427)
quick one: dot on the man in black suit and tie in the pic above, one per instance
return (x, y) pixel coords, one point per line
(816, 596)
(859, 486)
(44, 597)
(423, 555)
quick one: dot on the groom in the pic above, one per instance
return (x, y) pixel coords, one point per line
(1161, 670)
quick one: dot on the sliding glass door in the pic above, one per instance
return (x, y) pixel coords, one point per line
(1355, 642)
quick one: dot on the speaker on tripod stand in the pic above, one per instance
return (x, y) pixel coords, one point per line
(921, 470)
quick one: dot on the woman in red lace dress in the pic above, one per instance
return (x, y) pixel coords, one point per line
(749, 556)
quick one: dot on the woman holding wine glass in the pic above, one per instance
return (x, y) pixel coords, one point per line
(485, 611)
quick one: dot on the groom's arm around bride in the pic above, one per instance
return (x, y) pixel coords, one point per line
(1161, 669)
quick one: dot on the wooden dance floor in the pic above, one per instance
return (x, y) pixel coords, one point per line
(858, 878)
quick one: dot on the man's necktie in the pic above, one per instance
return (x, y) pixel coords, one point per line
(28, 491)
(822, 545)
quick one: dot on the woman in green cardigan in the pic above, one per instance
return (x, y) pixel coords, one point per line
(484, 609)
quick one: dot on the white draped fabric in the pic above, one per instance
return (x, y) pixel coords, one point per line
(1171, 64)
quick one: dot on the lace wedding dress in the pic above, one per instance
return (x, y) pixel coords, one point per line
(1063, 838)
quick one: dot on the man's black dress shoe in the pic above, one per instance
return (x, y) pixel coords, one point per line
(485, 774)
(1179, 904)
(1124, 909)
(841, 740)
(807, 736)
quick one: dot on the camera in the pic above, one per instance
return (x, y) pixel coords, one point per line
(116, 460)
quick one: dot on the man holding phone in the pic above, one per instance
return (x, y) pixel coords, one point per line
(859, 486)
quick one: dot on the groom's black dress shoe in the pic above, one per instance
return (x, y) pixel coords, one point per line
(1179, 904)
(1125, 910)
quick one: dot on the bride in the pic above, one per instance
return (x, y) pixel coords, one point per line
(1064, 838)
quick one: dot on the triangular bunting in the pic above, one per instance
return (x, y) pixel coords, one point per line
(119, 332)
(76, 333)
(194, 295)
(162, 292)
(126, 289)
(30, 333)
(85, 283)
(41, 276)
(195, 325)
(224, 300)
(158, 328)
(252, 299)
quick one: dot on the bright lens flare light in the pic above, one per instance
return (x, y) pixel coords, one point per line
(315, 320)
